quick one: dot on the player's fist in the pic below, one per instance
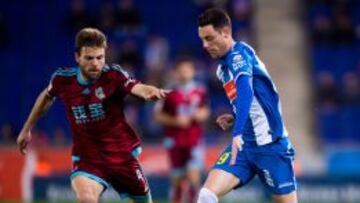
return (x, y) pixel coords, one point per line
(23, 140)
(156, 93)
(237, 144)
(225, 121)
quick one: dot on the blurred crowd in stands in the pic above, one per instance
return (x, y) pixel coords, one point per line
(334, 33)
(145, 38)
(143, 42)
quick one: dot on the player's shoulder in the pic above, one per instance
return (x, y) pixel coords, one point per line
(115, 69)
(64, 73)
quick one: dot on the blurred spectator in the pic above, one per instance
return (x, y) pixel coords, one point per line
(130, 57)
(351, 88)
(241, 11)
(7, 136)
(156, 53)
(322, 30)
(127, 17)
(107, 17)
(59, 137)
(39, 137)
(79, 17)
(156, 57)
(328, 94)
(344, 31)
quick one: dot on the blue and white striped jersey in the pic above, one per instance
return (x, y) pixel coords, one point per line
(253, 96)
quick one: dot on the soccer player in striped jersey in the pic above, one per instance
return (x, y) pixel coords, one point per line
(105, 148)
(260, 144)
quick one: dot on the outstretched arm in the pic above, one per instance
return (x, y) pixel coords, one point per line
(41, 106)
(149, 92)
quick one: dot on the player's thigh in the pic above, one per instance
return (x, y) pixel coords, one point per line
(225, 176)
(176, 180)
(287, 198)
(221, 182)
(86, 188)
(129, 181)
(193, 175)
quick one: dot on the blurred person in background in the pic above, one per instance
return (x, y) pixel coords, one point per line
(182, 114)
(105, 148)
(7, 134)
(260, 144)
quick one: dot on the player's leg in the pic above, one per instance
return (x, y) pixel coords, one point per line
(193, 176)
(87, 190)
(286, 198)
(129, 180)
(88, 180)
(193, 172)
(176, 187)
(217, 184)
(225, 177)
(178, 157)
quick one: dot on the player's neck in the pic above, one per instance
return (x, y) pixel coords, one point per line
(86, 80)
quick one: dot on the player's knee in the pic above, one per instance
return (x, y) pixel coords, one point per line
(207, 196)
(86, 197)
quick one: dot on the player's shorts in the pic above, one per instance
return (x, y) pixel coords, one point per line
(273, 163)
(184, 158)
(127, 179)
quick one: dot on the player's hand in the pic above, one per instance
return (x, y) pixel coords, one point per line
(23, 140)
(183, 121)
(156, 93)
(225, 121)
(236, 147)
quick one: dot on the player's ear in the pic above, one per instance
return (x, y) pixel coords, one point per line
(226, 30)
(77, 56)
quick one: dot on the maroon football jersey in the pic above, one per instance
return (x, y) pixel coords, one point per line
(185, 101)
(95, 113)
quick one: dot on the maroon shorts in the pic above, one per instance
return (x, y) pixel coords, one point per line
(127, 179)
(186, 157)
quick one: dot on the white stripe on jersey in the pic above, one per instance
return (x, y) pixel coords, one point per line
(260, 123)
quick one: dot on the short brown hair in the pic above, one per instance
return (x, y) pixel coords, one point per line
(90, 37)
(183, 59)
(216, 17)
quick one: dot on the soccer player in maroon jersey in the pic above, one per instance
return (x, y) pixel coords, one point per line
(182, 114)
(105, 148)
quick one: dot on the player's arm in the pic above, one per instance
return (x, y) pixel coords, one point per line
(167, 119)
(43, 103)
(148, 92)
(202, 114)
(242, 103)
(242, 108)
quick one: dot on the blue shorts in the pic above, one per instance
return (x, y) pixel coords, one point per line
(273, 163)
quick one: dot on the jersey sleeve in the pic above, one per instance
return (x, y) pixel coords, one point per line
(123, 79)
(53, 88)
(242, 103)
(239, 63)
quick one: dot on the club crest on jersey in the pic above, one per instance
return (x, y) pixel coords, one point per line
(230, 89)
(99, 93)
(238, 62)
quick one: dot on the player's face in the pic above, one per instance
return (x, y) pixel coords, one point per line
(185, 72)
(91, 61)
(214, 41)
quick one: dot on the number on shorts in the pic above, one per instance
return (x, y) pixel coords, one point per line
(223, 158)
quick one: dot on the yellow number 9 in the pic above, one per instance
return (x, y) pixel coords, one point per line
(223, 158)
